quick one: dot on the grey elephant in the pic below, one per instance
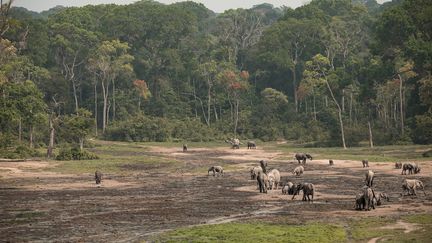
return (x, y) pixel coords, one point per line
(254, 172)
(235, 143)
(411, 185)
(263, 165)
(185, 147)
(288, 188)
(98, 177)
(398, 165)
(291, 188)
(298, 170)
(407, 167)
(285, 190)
(331, 162)
(365, 163)
(302, 157)
(360, 201)
(369, 197)
(217, 170)
(262, 182)
(251, 145)
(308, 191)
(381, 197)
(369, 178)
(274, 179)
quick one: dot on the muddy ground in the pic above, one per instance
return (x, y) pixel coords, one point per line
(36, 205)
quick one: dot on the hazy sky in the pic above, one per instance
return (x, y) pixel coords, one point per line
(216, 5)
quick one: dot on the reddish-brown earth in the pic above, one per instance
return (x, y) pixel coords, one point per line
(36, 205)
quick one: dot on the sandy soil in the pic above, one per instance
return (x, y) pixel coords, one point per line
(36, 205)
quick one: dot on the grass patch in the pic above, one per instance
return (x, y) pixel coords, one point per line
(365, 229)
(28, 215)
(256, 232)
(377, 154)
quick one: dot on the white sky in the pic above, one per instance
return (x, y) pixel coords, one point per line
(216, 5)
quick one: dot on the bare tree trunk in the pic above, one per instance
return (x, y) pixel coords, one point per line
(208, 101)
(51, 138)
(326, 101)
(114, 100)
(96, 109)
(370, 135)
(314, 108)
(401, 105)
(31, 136)
(343, 100)
(295, 87)
(236, 106)
(105, 106)
(20, 130)
(339, 113)
(81, 141)
(350, 105)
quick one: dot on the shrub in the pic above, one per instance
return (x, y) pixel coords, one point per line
(75, 154)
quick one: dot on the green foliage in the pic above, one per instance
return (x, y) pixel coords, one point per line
(75, 154)
(423, 130)
(20, 152)
(145, 129)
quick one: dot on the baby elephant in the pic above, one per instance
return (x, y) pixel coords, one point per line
(298, 170)
(185, 147)
(365, 163)
(98, 177)
(360, 201)
(381, 197)
(331, 162)
(308, 191)
(398, 165)
(288, 188)
(216, 170)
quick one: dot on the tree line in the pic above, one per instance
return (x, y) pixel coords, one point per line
(329, 73)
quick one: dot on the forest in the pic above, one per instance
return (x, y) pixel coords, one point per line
(330, 73)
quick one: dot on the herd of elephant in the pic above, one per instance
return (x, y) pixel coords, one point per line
(367, 198)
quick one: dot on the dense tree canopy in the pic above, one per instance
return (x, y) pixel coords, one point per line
(318, 74)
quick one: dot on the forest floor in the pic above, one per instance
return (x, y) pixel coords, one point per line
(153, 192)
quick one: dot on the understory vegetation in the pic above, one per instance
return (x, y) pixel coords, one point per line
(329, 73)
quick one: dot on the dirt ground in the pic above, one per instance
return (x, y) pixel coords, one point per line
(36, 205)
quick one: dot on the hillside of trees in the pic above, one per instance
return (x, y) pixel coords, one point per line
(329, 73)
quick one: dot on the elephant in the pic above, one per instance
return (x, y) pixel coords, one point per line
(360, 201)
(416, 168)
(235, 143)
(285, 189)
(216, 169)
(331, 162)
(382, 196)
(398, 165)
(274, 179)
(251, 145)
(369, 178)
(308, 191)
(185, 147)
(369, 197)
(291, 188)
(411, 185)
(365, 163)
(254, 172)
(98, 177)
(302, 157)
(262, 182)
(263, 165)
(407, 167)
(298, 170)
